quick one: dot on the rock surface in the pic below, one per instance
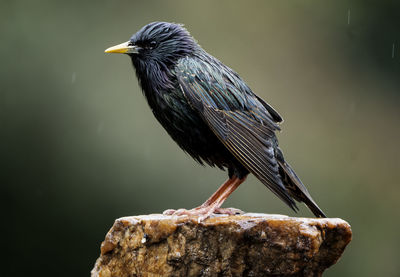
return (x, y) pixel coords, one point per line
(239, 245)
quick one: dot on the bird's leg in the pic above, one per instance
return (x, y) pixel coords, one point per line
(217, 194)
(213, 203)
(207, 203)
(219, 191)
(215, 206)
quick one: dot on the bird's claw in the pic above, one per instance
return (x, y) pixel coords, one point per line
(174, 212)
(228, 211)
(203, 212)
(180, 212)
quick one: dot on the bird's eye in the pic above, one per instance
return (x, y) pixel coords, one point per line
(152, 44)
(148, 45)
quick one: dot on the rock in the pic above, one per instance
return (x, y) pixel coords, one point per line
(236, 245)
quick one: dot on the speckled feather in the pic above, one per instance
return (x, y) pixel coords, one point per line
(210, 111)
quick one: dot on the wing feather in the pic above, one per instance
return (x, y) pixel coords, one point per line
(234, 113)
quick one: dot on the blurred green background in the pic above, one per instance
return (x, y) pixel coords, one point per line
(79, 146)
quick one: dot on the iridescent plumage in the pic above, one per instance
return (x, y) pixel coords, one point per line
(210, 111)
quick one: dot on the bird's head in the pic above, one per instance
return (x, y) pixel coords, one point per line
(160, 42)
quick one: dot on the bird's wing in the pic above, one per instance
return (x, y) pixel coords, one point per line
(237, 117)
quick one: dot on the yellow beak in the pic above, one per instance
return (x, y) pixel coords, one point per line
(123, 48)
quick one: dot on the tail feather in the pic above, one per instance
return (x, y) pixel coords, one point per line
(297, 190)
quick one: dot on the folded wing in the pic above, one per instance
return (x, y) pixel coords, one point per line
(244, 123)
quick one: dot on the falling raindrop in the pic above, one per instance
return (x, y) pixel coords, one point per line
(393, 50)
(73, 77)
(348, 17)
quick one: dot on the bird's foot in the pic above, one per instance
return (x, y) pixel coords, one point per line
(193, 212)
(229, 211)
(203, 212)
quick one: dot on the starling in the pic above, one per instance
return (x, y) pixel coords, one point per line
(212, 114)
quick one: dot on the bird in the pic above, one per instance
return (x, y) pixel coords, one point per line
(212, 114)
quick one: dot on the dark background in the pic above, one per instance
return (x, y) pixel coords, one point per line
(79, 146)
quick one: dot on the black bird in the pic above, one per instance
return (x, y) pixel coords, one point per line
(212, 114)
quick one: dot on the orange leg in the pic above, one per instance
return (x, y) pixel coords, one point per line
(213, 203)
(219, 191)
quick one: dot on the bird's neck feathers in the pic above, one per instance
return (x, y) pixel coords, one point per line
(154, 77)
(155, 69)
(157, 75)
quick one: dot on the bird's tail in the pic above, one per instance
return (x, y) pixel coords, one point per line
(296, 188)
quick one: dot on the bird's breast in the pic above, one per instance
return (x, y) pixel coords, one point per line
(174, 112)
(187, 128)
(184, 124)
